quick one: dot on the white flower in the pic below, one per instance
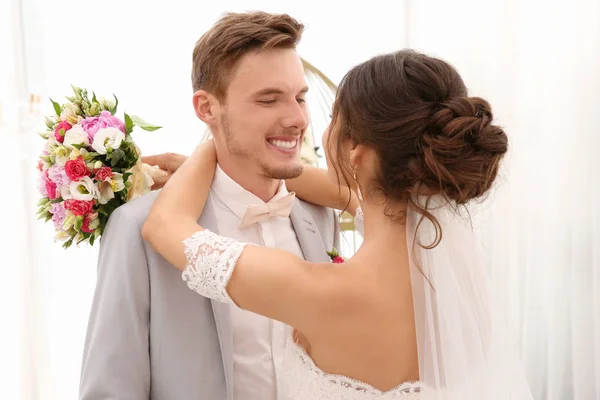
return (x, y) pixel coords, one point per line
(61, 155)
(84, 189)
(76, 136)
(109, 187)
(141, 180)
(70, 113)
(107, 137)
(106, 103)
(65, 192)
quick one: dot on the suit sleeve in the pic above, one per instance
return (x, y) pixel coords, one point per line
(116, 359)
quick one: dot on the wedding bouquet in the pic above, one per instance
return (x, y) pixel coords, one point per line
(90, 165)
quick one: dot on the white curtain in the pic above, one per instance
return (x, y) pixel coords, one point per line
(537, 63)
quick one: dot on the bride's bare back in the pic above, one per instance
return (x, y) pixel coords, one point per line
(369, 333)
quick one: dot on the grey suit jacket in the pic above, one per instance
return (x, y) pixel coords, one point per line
(149, 336)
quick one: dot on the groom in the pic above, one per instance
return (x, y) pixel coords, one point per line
(149, 336)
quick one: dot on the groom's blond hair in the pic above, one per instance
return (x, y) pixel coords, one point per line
(235, 34)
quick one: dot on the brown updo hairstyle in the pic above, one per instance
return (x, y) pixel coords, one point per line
(429, 135)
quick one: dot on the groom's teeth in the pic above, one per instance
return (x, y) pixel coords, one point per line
(284, 144)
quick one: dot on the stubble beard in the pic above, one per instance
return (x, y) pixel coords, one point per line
(268, 171)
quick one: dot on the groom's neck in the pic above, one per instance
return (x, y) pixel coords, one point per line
(258, 184)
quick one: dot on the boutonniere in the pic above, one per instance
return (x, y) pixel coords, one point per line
(335, 256)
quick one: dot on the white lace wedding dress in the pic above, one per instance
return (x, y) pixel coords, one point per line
(211, 261)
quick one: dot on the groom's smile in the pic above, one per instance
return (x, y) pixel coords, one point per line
(288, 145)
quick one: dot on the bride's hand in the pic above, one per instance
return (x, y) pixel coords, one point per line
(168, 163)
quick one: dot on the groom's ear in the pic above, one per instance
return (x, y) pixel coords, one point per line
(204, 105)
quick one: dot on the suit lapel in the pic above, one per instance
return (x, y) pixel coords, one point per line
(308, 235)
(221, 311)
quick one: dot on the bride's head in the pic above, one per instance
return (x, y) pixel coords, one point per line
(403, 123)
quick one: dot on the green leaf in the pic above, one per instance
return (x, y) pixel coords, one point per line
(57, 107)
(116, 156)
(128, 124)
(94, 100)
(68, 243)
(113, 111)
(48, 218)
(137, 121)
(333, 253)
(79, 223)
(92, 238)
(43, 201)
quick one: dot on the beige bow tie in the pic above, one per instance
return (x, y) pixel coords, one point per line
(274, 208)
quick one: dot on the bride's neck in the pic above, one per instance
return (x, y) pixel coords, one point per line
(385, 227)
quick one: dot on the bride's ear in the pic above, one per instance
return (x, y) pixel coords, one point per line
(205, 106)
(357, 153)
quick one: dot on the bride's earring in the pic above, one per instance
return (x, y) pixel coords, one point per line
(358, 191)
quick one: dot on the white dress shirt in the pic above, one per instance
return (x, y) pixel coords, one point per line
(258, 342)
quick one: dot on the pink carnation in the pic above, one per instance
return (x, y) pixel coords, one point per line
(49, 187)
(337, 260)
(103, 174)
(58, 215)
(85, 227)
(106, 120)
(58, 175)
(42, 185)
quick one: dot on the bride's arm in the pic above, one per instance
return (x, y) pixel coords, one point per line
(179, 205)
(256, 282)
(315, 186)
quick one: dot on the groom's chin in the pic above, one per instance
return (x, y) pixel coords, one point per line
(290, 171)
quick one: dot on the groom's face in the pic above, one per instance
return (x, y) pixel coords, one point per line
(264, 116)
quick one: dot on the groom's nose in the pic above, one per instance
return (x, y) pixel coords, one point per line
(296, 117)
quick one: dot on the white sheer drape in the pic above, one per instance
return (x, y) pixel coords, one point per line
(537, 63)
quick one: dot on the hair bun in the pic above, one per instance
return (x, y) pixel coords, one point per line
(462, 149)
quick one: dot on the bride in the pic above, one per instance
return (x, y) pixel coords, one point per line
(410, 315)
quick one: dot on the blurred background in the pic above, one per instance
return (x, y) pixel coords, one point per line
(538, 63)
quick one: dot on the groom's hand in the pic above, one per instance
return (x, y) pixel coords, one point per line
(168, 162)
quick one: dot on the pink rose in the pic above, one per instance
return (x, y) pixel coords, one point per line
(106, 120)
(103, 173)
(85, 227)
(63, 126)
(50, 187)
(337, 260)
(76, 169)
(79, 207)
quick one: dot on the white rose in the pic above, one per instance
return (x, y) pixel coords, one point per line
(76, 136)
(107, 137)
(84, 189)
